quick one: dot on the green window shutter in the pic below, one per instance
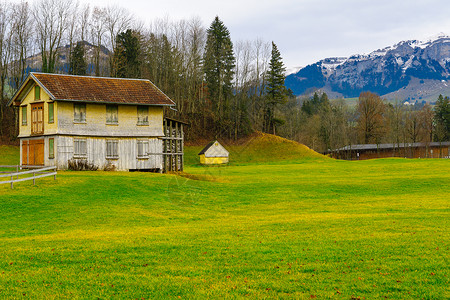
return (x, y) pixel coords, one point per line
(51, 113)
(37, 92)
(24, 115)
(51, 148)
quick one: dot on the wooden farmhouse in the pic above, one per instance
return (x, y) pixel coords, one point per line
(103, 121)
(214, 153)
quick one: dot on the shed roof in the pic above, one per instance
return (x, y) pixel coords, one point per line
(206, 147)
(216, 151)
(94, 89)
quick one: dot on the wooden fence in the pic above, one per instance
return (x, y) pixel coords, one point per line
(35, 173)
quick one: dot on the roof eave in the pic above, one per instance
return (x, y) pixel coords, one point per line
(42, 86)
(16, 94)
(24, 84)
(110, 102)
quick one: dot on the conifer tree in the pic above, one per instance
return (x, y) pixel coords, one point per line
(275, 90)
(78, 63)
(127, 55)
(442, 118)
(218, 66)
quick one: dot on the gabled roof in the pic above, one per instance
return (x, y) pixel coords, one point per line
(215, 153)
(94, 89)
(206, 147)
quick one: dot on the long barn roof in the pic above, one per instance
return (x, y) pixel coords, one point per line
(95, 89)
(390, 146)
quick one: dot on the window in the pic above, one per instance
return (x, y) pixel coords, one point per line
(37, 92)
(51, 148)
(79, 112)
(51, 113)
(112, 149)
(79, 148)
(142, 148)
(24, 115)
(142, 114)
(112, 114)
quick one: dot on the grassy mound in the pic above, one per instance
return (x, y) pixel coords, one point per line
(257, 148)
(9, 155)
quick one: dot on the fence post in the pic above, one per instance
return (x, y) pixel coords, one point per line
(12, 185)
(17, 169)
(34, 179)
(54, 176)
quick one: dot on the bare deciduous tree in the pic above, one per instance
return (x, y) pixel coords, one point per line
(5, 52)
(371, 120)
(21, 41)
(115, 20)
(97, 34)
(52, 22)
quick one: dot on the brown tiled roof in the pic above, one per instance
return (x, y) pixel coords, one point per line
(101, 89)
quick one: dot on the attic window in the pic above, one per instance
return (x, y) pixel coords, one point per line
(142, 114)
(37, 92)
(79, 112)
(112, 114)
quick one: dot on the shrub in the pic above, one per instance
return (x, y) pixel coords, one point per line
(81, 165)
(109, 167)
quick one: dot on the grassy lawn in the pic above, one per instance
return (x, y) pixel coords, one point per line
(304, 228)
(9, 155)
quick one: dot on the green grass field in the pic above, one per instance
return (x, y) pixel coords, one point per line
(283, 228)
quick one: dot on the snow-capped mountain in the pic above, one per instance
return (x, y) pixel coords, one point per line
(409, 70)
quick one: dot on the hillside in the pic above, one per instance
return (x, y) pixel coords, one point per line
(409, 70)
(257, 148)
(9, 155)
(34, 62)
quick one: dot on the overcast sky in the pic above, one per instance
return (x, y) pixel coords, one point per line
(306, 31)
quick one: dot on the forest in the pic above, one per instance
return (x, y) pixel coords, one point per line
(223, 89)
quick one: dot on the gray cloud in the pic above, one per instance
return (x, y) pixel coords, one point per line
(308, 30)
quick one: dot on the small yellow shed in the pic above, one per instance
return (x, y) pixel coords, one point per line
(214, 154)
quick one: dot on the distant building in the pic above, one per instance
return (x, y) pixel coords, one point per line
(406, 150)
(214, 154)
(103, 121)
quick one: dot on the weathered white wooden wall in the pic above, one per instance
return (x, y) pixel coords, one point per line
(96, 153)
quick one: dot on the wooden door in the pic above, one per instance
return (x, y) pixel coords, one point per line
(37, 118)
(25, 147)
(39, 152)
(33, 152)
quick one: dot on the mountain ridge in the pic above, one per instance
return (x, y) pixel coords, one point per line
(389, 71)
